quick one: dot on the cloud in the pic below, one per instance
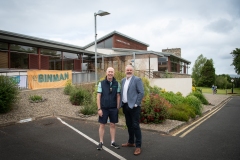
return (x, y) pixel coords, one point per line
(220, 26)
(203, 27)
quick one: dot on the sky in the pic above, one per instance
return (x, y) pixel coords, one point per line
(207, 27)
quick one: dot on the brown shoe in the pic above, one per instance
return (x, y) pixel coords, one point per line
(128, 145)
(137, 151)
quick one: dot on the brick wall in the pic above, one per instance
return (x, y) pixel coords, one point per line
(175, 51)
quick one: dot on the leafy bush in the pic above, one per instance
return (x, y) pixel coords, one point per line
(199, 90)
(155, 90)
(154, 109)
(146, 86)
(175, 114)
(8, 93)
(35, 98)
(119, 75)
(179, 94)
(194, 102)
(89, 109)
(174, 99)
(181, 112)
(79, 96)
(68, 88)
(201, 97)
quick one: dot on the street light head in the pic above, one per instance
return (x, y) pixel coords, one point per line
(102, 13)
(232, 80)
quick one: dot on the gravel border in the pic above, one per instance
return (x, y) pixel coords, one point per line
(58, 104)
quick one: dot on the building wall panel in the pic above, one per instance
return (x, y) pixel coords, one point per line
(3, 60)
(121, 42)
(44, 62)
(33, 61)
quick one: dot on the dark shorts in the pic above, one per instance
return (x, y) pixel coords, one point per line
(111, 113)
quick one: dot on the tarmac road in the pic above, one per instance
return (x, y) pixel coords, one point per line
(217, 137)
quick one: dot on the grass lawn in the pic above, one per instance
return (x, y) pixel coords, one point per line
(236, 91)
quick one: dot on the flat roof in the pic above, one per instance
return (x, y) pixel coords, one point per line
(163, 54)
(21, 39)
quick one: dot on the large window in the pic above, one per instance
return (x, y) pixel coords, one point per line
(55, 63)
(174, 64)
(3, 46)
(50, 52)
(67, 55)
(19, 60)
(107, 43)
(68, 64)
(21, 48)
(162, 64)
(173, 67)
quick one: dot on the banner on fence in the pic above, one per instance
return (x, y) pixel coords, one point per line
(38, 79)
(21, 81)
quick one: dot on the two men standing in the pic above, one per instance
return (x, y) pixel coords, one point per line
(109, 101)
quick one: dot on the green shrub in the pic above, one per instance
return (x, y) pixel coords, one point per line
(79, 96)
(199, 90)
(68, 88)
(201, 97)
(154, 109)
(146, 86)
(8, 93)
(195, 103)
(181, 112)
(35, 98)
(179, 94)
(174, 99)
(175, 114)
(89, 109)
(155, 90)
(119, 75)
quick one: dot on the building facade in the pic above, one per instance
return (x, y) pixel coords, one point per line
(115, 49)
(119, 49)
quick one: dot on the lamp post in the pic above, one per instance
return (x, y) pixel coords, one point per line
(232, 80)
(99, 13)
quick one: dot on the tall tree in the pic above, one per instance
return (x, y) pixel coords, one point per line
(236, 60)
(197, 68)
(207, 74)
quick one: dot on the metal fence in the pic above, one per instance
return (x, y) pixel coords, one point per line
(21, 77)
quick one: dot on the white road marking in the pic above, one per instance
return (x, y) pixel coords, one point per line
(92, 140)
(25, 120)
(207, 115)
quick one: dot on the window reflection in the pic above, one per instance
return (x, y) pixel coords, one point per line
(55, 63)
(19, 60)
(21, 48)
(3, 45)
(107, 43)
(50, 52)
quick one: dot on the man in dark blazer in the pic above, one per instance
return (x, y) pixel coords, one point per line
(132, 93)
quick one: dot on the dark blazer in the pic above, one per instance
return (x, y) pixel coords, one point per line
(135, 91)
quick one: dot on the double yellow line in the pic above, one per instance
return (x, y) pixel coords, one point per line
(195, 124)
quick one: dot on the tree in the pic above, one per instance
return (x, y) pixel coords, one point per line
(207, 74)
(197, 68)
(236, 60)
(222, 81)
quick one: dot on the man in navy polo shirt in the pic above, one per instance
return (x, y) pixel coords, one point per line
(108, 102)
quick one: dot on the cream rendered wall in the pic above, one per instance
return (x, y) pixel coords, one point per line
(141, 61)
(183, 85)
